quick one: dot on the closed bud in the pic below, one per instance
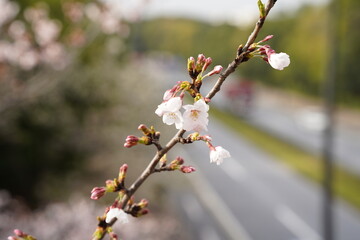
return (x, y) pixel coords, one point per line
(157, 135)
(175, 164)
(201, 59)
(131, 141)
(122, 173)
(140, 212)
(267, 38)
(144, 129)
(187, 169)
(191, 64)
(168, 94)
(178, 161)
(19, 233)
(200, 63)
(217, 69)
(208, 61)
(97, 193)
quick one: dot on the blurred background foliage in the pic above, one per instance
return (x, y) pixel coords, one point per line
(67, 101)
(302, 35)
(62, 100)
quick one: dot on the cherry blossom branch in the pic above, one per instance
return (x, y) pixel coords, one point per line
(241, 57)
(243, 51)
(151, 167)
(169, 110)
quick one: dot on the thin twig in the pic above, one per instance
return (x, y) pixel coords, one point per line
(242, 54)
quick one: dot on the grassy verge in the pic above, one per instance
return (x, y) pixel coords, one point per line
(346, 184)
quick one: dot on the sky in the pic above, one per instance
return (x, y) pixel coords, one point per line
(236, 12)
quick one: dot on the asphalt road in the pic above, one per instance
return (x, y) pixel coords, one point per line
(253, 197)
(298, 128)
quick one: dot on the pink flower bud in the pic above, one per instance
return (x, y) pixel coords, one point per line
(97, 193)
(171, 92)
(131, 141)
(12, 238)
(217, 69)
(200, 63)
(123, 168)
(167, 95)
(267, 38)
(187, 169)
(132, 138)
(122, 173)
(201, 59)
(19, 233)
(144, 129)
(208, 61)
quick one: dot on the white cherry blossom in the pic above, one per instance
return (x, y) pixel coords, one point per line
(170, 111)
(279, 60)
(218, 154)
(196, 116)
(118, 213)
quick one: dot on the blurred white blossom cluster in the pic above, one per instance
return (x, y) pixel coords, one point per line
(75, 219)
(30, 37)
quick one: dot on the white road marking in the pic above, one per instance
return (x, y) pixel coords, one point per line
(295, 224)
(210, 199)
(195, 213)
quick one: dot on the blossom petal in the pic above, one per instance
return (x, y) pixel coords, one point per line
(170, 118)
(196, 116)
(218, 154)
(160, 109)
(174, 104)
(118, 213)
(279, 60)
